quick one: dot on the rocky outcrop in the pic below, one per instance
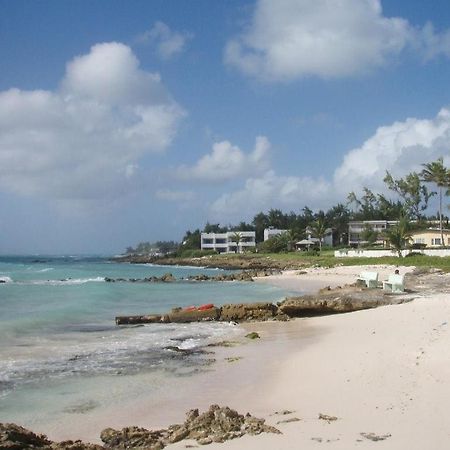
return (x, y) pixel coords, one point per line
(215, 425)
(166, 278)
(218, 424)
(179, 315)
(246, 275)
(336, 301)
(14, 437)
(244, 312)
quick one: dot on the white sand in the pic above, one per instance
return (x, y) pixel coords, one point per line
(312, 279)
(384, 371)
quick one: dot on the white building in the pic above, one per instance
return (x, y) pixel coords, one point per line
(226, 242)
(271, 232)
(357, 228)
(327, 239)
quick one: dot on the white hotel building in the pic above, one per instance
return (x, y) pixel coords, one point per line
(226, 242)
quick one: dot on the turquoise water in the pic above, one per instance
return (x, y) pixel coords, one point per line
(58, 334)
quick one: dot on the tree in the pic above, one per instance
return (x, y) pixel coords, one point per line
(319, 228)
(338, 217)
(237, 237)
(399, 235)
(192, 240)
(414, 194)
(369, 234)
(435, 172)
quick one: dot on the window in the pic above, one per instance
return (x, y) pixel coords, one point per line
(419, 240)
(436, 241)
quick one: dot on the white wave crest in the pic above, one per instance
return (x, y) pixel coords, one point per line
(5, 279)
(68, 281)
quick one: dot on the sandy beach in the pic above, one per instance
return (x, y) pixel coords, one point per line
(381, 376)
(384, 374)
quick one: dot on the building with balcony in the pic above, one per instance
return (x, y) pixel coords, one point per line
(227, 242)
(356, 230)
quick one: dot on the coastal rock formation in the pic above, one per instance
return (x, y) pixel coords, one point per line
(335, 301)
(245, 275)
(179, 315)
(218, 424)
(244, 312)
(215, 425)
(14, 437)
(166, 278)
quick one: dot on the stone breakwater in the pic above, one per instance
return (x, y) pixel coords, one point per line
(327, 301)
(246, 275)
(218, 424)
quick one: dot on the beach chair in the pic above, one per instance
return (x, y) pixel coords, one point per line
(395, 283)
(370, 279)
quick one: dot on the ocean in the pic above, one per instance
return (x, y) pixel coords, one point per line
(61, 353)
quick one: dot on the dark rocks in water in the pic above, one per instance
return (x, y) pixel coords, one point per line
(132, 320)
(215, 425)
(246, 275)
(166, 278)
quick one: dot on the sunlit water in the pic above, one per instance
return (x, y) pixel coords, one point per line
(61, 352)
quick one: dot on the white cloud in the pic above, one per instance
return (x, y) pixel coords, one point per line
(227, 161)
(84, 140)
(399, 148)
(168, 43)
(290, 39)
(271, 191)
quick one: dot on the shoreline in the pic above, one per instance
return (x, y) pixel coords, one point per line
(359, 367)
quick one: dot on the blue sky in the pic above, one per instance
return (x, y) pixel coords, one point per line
(127, 121)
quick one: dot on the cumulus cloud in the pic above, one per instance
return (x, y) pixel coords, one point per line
(400, 148)
(271, 191)
(289, 39)
(167, 43)
(227, 161)
(85, 139)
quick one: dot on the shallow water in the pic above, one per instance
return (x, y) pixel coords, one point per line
(61, 352)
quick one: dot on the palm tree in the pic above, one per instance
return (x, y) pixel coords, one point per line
(237, 237)
(319, 229)
(399, 235)
(436, 172)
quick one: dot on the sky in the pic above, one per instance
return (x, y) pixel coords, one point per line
(128, 121)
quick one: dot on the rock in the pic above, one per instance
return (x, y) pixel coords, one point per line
(337, 301)
(183, 316)
(132, 320)
(253, 335)
(218, 424)
(327, 417)
(167, 278)
(375, 437)
(14, 437)
(134, 437)
(248, 311)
